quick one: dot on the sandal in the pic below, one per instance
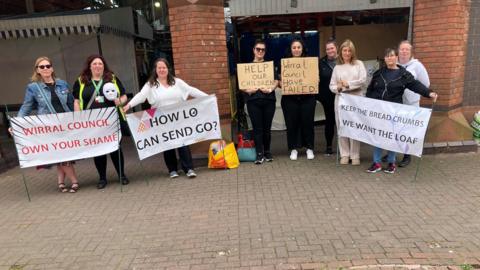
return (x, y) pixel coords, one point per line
(62, 188)
(74, 188)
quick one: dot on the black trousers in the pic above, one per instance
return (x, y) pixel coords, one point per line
(185, 159)
(261, 113)
(328, 103)
(299, 114)
(117, 160)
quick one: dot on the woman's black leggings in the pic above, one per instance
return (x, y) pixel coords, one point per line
(328, 103)
(101, 164)
(299, 113)
(261, 113)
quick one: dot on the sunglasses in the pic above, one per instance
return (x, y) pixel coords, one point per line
(44, 66)
(260, 49)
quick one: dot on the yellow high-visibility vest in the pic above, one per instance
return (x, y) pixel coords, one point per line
(82, 86)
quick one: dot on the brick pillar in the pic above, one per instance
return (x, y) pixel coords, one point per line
(199, 47)
(200, 55)
(440, 35)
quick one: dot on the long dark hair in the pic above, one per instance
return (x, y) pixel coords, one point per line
(86, 74)
(304, 49)
(153, 76)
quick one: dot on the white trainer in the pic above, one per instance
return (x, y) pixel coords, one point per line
(294, 155)
(191, 174)
(310, 154)
(173, 174)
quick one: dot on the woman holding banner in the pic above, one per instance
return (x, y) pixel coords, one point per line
(348, 76)
(92, 90)
(164, 89)
(419, 72)
(261, 108)
(299, 113)
(389, 84)
(48, 95)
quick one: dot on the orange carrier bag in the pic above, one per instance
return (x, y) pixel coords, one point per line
(222, 155)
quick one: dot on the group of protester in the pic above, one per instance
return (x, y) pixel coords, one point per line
(402, 80)
(47, 94)
(343, 73)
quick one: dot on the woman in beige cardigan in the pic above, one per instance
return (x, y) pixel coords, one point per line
(349, 76)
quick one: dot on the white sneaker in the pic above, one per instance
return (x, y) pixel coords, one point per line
(191, 174)
(294, 155)
(310, 154)
(173, 174)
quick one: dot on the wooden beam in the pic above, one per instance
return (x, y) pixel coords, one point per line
(30, 6)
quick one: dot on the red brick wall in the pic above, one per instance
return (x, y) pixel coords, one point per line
(440, 34)
(199, 48)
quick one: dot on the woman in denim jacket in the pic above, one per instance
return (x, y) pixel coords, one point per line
(47, 94)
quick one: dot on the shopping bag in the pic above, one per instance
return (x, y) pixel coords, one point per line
(475, 124)
(246, 149)
(222, 155)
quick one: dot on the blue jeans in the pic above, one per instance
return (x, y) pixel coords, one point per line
(377, 155)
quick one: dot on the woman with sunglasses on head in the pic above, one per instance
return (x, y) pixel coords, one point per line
(261, 108)
(349, 76)
(164, 89)
(389, 83)
(47, 95)
(89, 91)
(299, 113)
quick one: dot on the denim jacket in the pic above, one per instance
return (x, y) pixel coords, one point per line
(34, 100)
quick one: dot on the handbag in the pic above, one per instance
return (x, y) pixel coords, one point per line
(246, 149)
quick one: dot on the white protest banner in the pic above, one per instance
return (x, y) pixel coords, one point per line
(52, 138)
(300, 75)
(173, 126)
(392, 126)
(255, 75)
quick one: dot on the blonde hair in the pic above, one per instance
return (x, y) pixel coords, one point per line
(347, 44)
(37, 77)
(408, 43)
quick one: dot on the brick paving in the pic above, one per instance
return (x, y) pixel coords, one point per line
(275, 216)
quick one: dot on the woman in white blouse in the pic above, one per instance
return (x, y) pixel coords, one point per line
(164, 89)
(349, 76)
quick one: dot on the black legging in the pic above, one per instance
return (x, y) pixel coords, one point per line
(328, 103)
(261, 113)
(299, 113)
(101, 164)
(185, 159)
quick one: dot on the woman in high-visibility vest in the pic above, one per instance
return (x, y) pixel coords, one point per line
(164, 89)
(89, 93)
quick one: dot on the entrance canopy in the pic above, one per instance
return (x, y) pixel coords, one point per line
(76, 22)
(281, 7)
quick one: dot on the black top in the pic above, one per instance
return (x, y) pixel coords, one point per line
(325, 70)
(392, 90)
(54, 98)
(391, 74)
(89, 90)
